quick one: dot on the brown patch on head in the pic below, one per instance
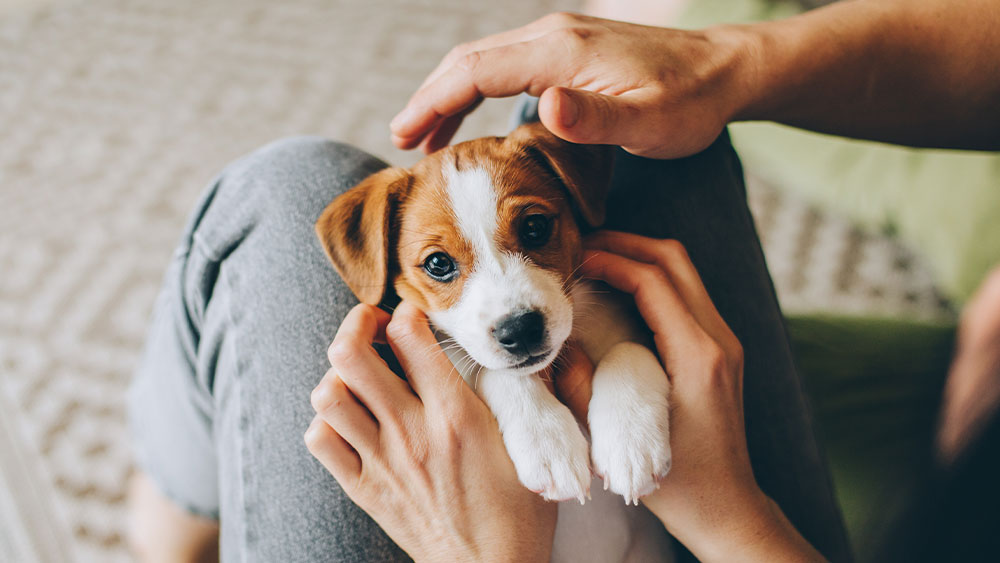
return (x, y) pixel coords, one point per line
(584, 170)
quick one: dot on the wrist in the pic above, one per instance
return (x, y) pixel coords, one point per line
(747, 526)
(744, 48)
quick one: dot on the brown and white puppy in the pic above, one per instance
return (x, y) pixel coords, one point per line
(484, 237)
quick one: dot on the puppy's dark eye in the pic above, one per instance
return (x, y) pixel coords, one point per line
(535, 230)
(440, 266)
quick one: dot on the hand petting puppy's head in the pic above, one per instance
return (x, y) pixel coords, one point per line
(482, 235)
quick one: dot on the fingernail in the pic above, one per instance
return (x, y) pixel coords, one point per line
(569, 110)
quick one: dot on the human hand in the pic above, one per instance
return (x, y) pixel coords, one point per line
(657, 92)
(971, 393)
(710, 500)
(424, 459)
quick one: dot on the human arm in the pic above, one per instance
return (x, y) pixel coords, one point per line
(919, 73)
(710, 500)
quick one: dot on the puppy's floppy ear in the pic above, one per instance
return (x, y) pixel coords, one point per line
(585, 170)
(356, 232)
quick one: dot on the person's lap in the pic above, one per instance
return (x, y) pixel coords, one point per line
(250, 304)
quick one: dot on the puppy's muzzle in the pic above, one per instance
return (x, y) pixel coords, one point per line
(522, 334)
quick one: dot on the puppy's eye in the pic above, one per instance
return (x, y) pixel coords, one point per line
(535, 230)
(440, 266)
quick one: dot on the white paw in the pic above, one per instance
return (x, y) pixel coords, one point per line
(550, 454)
(629, 421)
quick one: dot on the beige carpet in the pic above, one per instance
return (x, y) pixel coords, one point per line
(114, 114)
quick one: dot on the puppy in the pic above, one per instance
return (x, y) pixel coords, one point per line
(485, 237)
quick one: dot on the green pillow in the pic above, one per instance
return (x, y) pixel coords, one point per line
(875, 387)
(945, 205)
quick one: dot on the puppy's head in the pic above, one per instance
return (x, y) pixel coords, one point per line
(483, 236)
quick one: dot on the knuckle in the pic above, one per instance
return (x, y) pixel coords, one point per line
(574, 37)
(341, 354)
(736, 355)
(561, 18)
(469, 61)
(672, 248)
(368, 312)
(322, 396)
(649, 274)
(315, 438)
(714, 356)
(457, 52)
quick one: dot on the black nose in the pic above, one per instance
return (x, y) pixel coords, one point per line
(520, 333)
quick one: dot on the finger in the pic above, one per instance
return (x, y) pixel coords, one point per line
(339, 408)
(574, 378)
(361, 368)
(427, 368)
(336, 455)
(499, 72)
(581, 116)
(442, 135)
(524, 33)
(676, 331)
(673, 259)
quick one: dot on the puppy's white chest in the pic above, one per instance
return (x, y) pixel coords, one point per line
(629, 445)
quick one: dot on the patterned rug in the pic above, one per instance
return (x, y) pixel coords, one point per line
(115, 113)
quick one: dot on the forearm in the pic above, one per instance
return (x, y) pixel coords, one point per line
(921, 73)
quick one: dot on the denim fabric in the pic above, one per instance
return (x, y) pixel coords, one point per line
(250, 304)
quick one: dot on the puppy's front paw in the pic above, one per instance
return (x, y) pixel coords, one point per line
(629, 421)
(550, 454)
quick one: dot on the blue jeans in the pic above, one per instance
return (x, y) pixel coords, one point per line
(250, 303)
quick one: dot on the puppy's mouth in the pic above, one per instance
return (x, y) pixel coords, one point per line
(532, 360)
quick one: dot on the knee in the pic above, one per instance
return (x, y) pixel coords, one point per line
(297, 176)
(290, 154)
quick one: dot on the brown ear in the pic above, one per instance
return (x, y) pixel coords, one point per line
(585, 170)
(355, 231)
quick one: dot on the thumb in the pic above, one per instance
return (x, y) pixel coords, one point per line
(581, 116)
(425, 364)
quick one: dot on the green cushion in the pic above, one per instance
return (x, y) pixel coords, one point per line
(944, 205)
(874, 386)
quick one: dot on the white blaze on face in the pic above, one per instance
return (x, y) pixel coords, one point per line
(500, 283)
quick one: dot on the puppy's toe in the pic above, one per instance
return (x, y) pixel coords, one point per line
(631, 454)
(630, 471)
